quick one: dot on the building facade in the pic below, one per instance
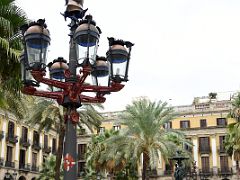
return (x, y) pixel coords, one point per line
(204, 123)
(23, 148)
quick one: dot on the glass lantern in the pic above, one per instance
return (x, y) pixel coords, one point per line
(100, 73)
(119, 55)
(26, 75)
(57, 71)
(87, 37)
(37, 40)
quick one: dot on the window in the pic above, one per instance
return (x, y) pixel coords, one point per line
(82, 149)
(221, 143)
(9, 154)
(11, 129)
(24, 134)
(22, 158)
(204, 145)
(45, 141)
(54, 144)
(117, 127)
(34, 159)
(35, 138)
(81, 168)
(203, 123)
(205, 164)
(101, 130)
(167, 125)
(221, 122)
(185, 124)
(224, 163)
(186, 146)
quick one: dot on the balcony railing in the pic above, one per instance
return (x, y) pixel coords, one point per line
(225, 172)
(36, 146)
(25, 142)
(11, 138)
(205, 173)
(1, 134)
(35, 168)
(46, 150)
(24, 167)
(205, 150)
(9, 164)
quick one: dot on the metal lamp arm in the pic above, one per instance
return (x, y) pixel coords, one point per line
(39, 76)
(30, 90)
(115, 87)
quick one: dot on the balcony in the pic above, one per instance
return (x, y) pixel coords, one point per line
(11, 138)
(36, 146)
(35, 168)
(25, 142)
(205, 173)
(225, 172)
(204, 149)
(24, 167)
(9, 164)
(1, 134)
(46, 149)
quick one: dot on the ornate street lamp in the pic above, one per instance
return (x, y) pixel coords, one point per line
(69, 86)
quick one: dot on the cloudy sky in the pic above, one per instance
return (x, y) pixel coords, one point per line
(183, 48)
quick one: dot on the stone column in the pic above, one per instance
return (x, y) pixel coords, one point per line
(195, 150)
(214, 154)
(4, 127)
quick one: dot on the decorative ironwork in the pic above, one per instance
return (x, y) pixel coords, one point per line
(9, 164)
(46, 149)
(24, 167)
(36, 146)
(25, 142)
(11, 138)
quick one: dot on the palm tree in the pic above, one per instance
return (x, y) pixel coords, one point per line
(145, 134)
(48, 169)
(11, 18)
(232, 141)
(98, 159)
(47, 113)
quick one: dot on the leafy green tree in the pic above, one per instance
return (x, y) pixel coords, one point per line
(11, 18)
(144, 133)
(48, 114)
(48, 169)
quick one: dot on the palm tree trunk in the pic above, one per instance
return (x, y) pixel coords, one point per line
(59, 152)
(145, 166)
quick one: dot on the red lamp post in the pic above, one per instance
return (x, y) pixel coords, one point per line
(68, 87)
